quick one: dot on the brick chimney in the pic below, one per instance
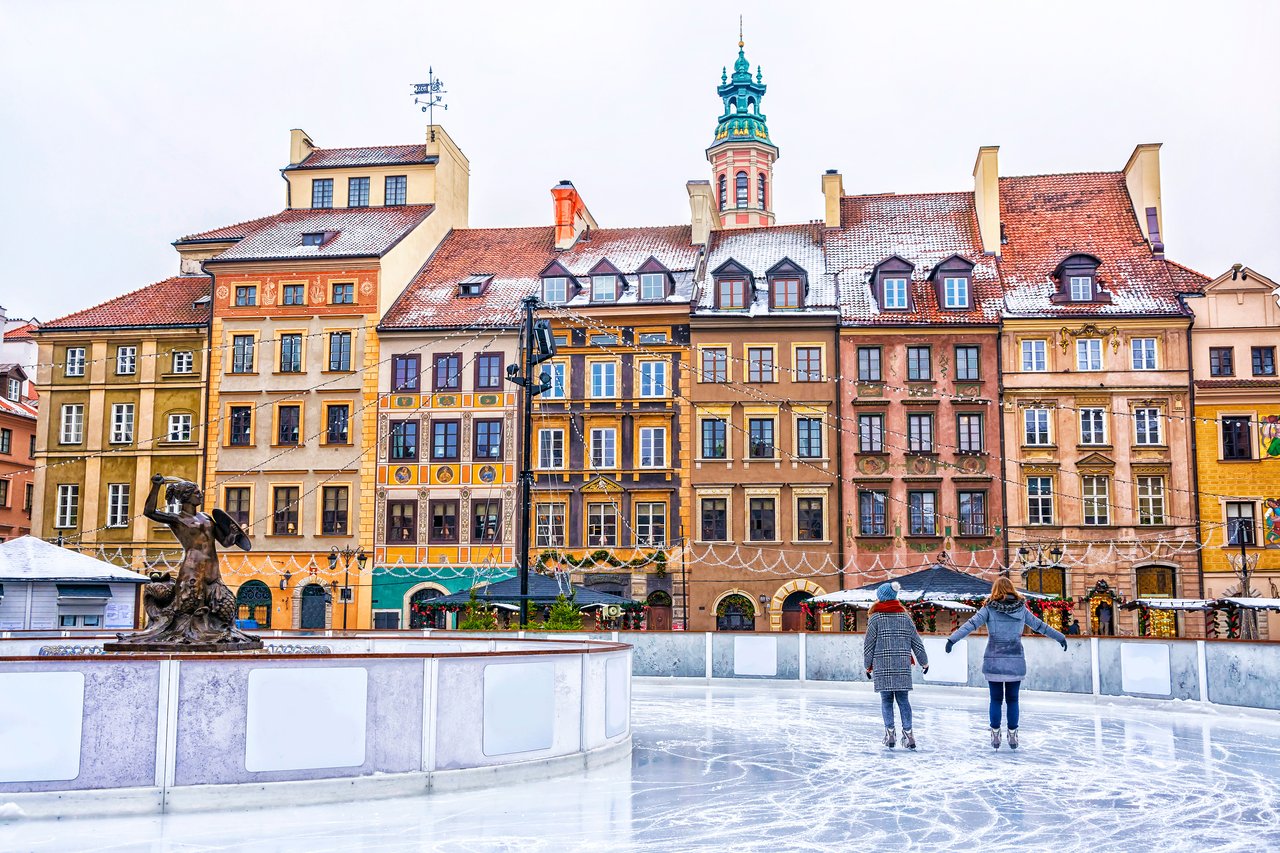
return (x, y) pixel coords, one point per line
(571, 215)
(832, 192)
(702, 211)
(1142, 179)
(986, 197)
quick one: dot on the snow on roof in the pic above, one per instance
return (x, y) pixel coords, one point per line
(761, 249)
(21, 408)
(28, 558)
(356, 232)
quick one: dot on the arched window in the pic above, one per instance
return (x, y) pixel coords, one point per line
(428, 619)
(735, 613)
(723, 192)
(751, 104)
(253, 605)
(733, 106)
(741, 189)
(760, 191)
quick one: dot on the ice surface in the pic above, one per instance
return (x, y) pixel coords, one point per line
(757, 768)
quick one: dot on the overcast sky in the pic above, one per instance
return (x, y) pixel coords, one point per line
(125, 125)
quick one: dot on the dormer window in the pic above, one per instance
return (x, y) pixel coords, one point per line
(604, 288)
(955, 292)
(555, 290)
(653, 286)
(317, 238)
(1081, 288)
(891, 283)
(788, 285)
(474, 285)
(731, 294)
(895, 293)
(1077, 277)
(786, 292)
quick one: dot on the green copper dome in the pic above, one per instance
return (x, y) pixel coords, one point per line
(742, 96)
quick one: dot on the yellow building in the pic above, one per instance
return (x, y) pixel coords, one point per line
(1237, 407)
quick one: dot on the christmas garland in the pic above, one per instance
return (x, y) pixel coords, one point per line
(599, 558)
(748, 609)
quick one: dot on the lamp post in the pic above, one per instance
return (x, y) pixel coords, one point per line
(345, 555)
(1242, 530)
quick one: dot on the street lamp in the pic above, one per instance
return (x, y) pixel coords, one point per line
(1040, 565)
(1242, 530)
(345, 555)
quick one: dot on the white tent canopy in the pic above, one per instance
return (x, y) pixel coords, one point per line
(29, 559)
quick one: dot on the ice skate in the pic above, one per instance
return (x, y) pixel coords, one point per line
(908, 739)
(1013, 738)
(995, 738)
(889, 738)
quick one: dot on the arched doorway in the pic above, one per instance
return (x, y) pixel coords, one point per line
(314, 603)
(792, 615)
(253, 605)
(659, 611)
(1158, 582)
(432, 619)
(1102, 608)
(735, 613)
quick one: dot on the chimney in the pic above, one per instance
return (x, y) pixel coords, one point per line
(1142, 179)
(571, 215)
(986, 197)
(702, 211)
(832, 192)
(300, 146)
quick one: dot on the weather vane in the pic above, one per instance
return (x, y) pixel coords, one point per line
(435, 92)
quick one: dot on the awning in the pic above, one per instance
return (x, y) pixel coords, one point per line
(1253, 603)
(1169, 604)
(83, 592)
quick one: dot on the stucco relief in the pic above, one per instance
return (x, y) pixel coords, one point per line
(384, 429)
(466, 436)
(379, 512)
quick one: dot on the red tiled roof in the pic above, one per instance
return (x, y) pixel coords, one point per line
(378, 155)
(229, 232)
(358, 232)
(165, 303)
(21, 333)
(20, 408)
(1238, 383)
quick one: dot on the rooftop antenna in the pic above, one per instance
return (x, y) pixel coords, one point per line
(435, 92)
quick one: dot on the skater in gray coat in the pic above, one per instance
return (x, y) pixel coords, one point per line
(1005, 665)
(887, 651)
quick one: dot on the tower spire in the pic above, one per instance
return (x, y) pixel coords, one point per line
(741, 43)
(742, 154)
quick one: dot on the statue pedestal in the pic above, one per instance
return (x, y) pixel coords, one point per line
(171, 648)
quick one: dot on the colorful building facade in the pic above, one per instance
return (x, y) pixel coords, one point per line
(18, 418)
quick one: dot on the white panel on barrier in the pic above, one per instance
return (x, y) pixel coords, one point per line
(947, 668)
(617, 696)
(40, 718)
(519, 707)
(755, 655)
(304, 719)
(1144, 668)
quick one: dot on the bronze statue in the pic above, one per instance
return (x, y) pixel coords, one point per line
(196, 612)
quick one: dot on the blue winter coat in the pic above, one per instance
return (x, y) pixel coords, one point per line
(1005, 619)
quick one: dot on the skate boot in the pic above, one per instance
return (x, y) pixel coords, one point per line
(890, 738)
(908, 739)
(1013, 738)
(995, 738)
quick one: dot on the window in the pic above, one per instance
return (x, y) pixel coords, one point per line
(6, 443)
(246, 295)
(68, 505)
(180, 427)
(603, 340)
(1035, 427)
(868, 364)
(1097, 502)
(808, 364)
(920, 433)
(334, 501)
(313, 238)
(551, 448)
(762, 520)
(1237, 439)
(786, 292)
(715, 520)
(1240, 530)
(1222, 361)
(28, 497)
(72, 424)
(724, 196)
(653, 285)
(447, 375)
(444, 522)
(760, 197)
(651, 524)
(871, 518)
(740, 187)
(604, 379)
(74, 364)
(293, 294)
(967, 363)
(1081, 288)
(242, 354)
(653, 379)
(236, 504)
(1147, 427)
(919, 367)
(1264, 361)
(339, 351)
(559, 387)
(973, 513)
(1093, 426)
(489, 371)
(121, 423)
(955, 291)
(715, 364)
(183, 361)
(604, 448)
(284, 511)
(969, 433)
(604, 288)
(714, 438)
(921, 513)
(1150, 500)
(404, 440)
(343, 293)
(291, 353)
(810, 520)
(357, 192)
(602, 525)
(486, 521)
(653, 447)
(731, 293)
(488, 439)
(402, 523)
(760, 432)
(652, 337)
(288, 424)
(240, 433)
(395, 189)
(871, 433)
(759, 364)
(809, 438)
(555, 290)
(1089, 354)
(895, 294)
(1143, 353)
(322, 192)
(549, 526)
(1035, 356)
(118, 505)
(1039, 500)
(127, 361)
(337, 428)
(444, 441)
(404, 372)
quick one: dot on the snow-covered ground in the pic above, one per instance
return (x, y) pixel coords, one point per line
(760, 767)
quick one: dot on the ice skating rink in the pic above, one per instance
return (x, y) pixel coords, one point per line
(757, 767)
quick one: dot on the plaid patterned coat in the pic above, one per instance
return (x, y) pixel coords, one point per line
(888, 647)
